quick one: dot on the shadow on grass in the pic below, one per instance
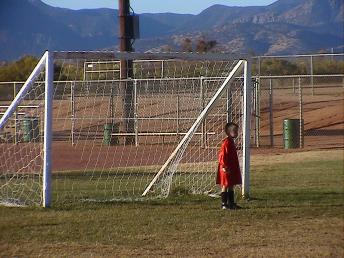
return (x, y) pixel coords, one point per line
(173, 200)
(251, 199)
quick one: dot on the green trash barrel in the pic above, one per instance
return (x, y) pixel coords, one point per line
(30, 127)
(291, 133)
(110, 139)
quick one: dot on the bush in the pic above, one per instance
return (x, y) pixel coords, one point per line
(19, 70)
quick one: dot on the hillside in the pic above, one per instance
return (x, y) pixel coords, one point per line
(284, 27)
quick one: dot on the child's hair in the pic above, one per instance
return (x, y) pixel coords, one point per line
(231, 125)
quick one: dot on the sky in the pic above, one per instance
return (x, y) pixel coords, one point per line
(156, 6)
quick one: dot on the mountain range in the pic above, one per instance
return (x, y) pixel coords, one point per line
(284, 27)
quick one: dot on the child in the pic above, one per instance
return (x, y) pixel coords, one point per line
(228, 173)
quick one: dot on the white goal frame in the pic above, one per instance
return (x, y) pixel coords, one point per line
(47, 63)
(207, 109)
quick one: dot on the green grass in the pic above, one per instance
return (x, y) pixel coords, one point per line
(120, 184)
(296, 210)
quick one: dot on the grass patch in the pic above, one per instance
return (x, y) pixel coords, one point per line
(296, 210)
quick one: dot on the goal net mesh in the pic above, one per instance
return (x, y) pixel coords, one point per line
(111, 136)
(21, 148)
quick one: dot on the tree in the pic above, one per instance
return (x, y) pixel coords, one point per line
(15, 71)
(203, 46)
(281, 67)
(187, 45)
(19, 70)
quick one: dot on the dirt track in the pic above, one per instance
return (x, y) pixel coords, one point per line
(323, 115)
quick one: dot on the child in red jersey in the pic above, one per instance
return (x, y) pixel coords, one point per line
(228, 173)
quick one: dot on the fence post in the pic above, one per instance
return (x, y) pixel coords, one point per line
(301, 114)
(258, 87)
(178, 115)
(136, 114)
(312, 77)
(229, 104)
(258, 113)
(72, 99)
(162, 69)
(112, 110)
(271, 116)
(15, 115)
(85, 71)
(254, 109)
(112, 107)
(294, 90)
(203, 135)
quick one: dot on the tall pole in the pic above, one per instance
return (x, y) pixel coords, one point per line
(124, 35)
(204, 138)
(72, 99)
(246, 130)
(48, 112)
(15, 116)
(312, 77)
(301, 114)
(271, 116)
(126, 73)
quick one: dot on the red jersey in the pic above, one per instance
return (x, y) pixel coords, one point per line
(228, 158)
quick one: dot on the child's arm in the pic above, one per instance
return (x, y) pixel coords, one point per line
(224, 157)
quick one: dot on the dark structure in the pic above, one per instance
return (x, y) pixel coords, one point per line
(128, 30)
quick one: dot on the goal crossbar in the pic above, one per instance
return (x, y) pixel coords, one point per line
(110, 55)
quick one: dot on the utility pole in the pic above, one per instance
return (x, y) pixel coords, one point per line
(126, 69)
(124, 25)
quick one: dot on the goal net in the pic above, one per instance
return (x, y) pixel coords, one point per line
(104, 126)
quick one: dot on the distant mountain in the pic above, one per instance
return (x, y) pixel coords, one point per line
(284, 27)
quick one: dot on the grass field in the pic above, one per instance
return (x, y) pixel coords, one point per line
(296, 209)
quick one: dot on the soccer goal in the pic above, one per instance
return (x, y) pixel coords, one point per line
(136, 126)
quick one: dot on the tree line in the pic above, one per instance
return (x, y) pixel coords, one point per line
(21, 69)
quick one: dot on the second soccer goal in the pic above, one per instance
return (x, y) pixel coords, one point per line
(105, 126)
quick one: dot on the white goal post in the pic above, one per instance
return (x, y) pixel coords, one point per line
(102, 138)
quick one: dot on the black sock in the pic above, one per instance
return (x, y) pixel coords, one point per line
(230, 197)
(224, 198)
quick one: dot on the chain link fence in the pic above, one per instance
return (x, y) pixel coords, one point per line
(317, 102)
(307, 88)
